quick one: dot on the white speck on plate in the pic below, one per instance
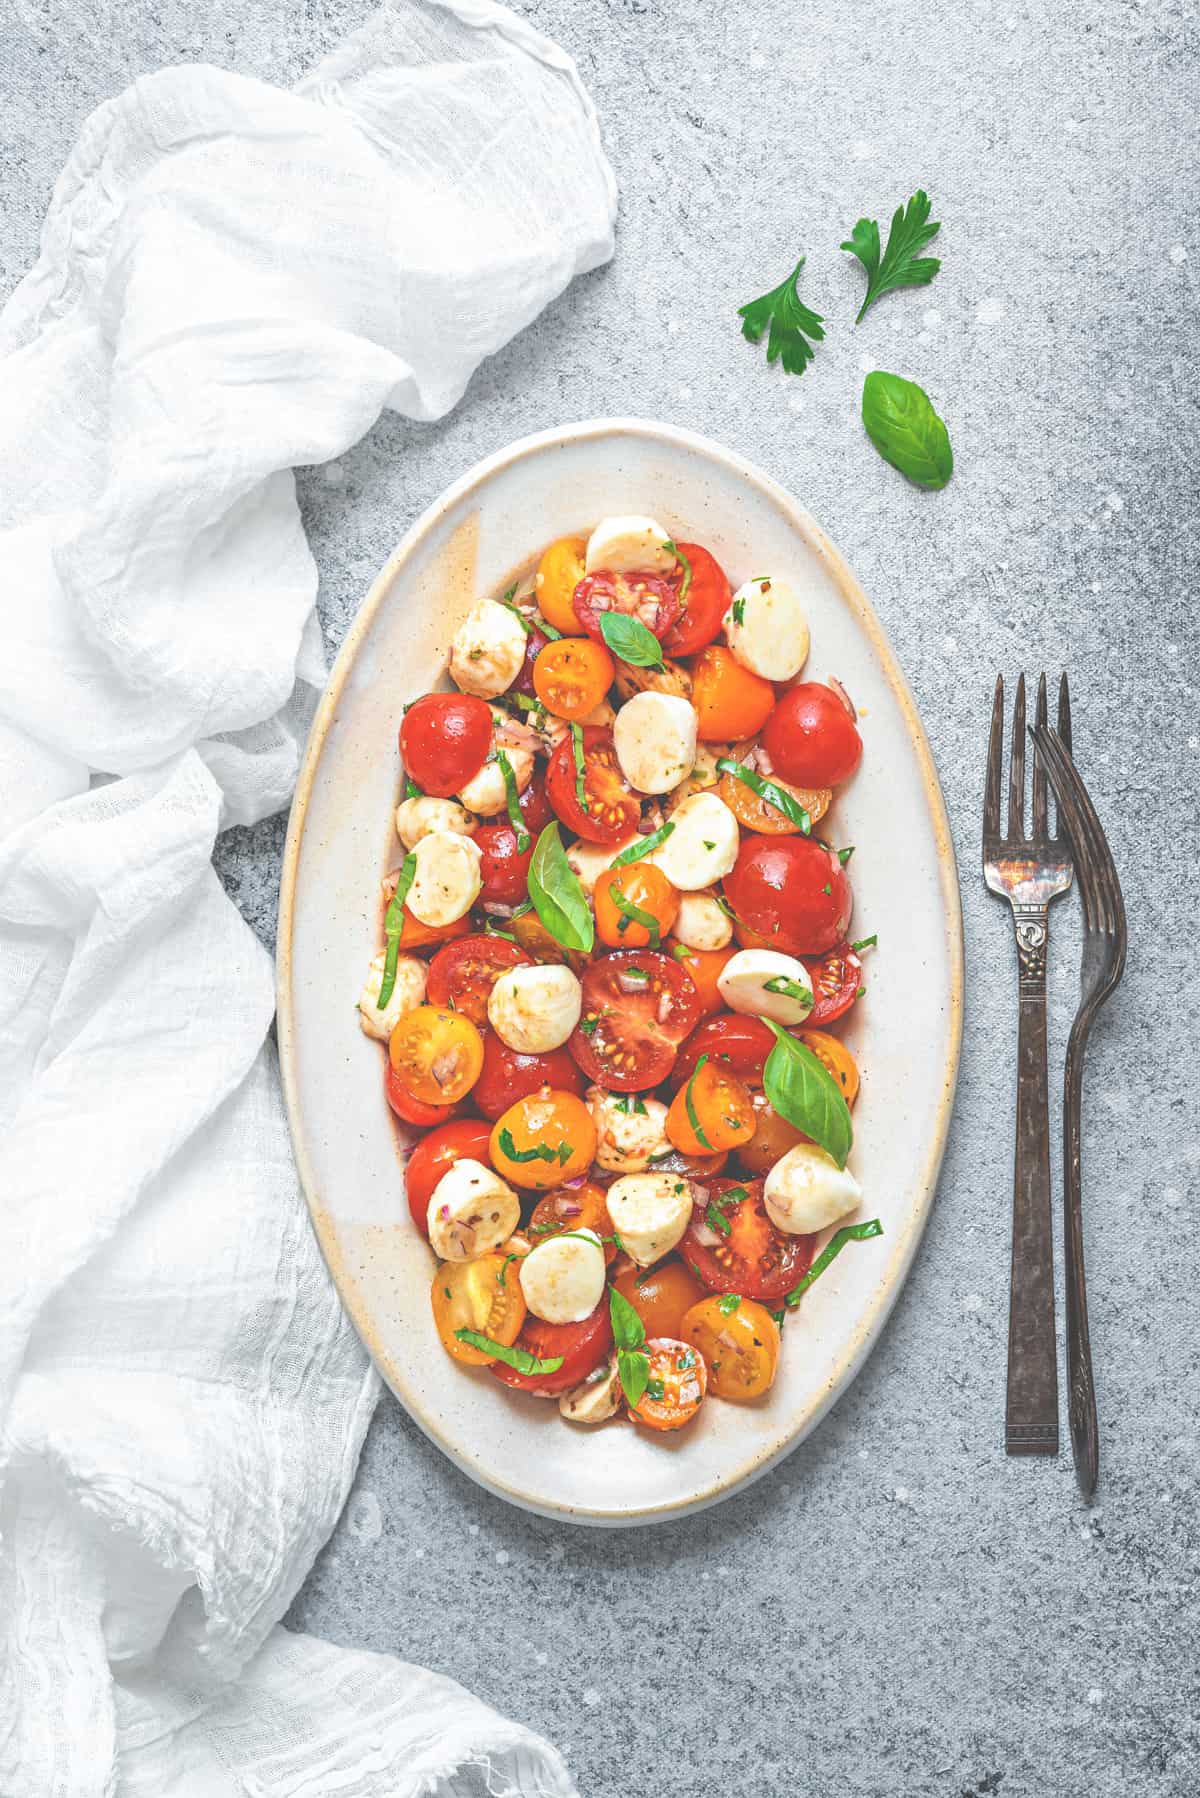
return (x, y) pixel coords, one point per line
(1177, 254)
(989, 312)
(364, 1519)
(591, 1696)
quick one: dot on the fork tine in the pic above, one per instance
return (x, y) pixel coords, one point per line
(1016, 769)
(1089, 857)
(991, 791)
(1064, 714)
(1109, 886)
(1040, 825)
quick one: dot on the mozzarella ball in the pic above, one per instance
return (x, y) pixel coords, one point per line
(590, 860)
(447, 880)
(595, 1399)
(703, 846)
(407, 994)
(535, 1009)
(488, 650)
(471, 1211)
(629, 1129)
(701, 924)
(766, 629)
(806, 1191)
(562, 1279)
(629, 546)
(420, 817)
(650, 1213)
(655, 740)
(766, 984)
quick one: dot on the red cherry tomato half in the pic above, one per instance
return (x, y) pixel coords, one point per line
(504, 869)
(535, 641)
(638, 1006)
(611, 810)
(415, 1111)
(836, 978)
(789, 893)
(646, 597)
(508, 1075)
(707, 602)
(582, 1346)
(811, 738)
(740, 1041)
(462, 975)
(751, 1256)
(434, 1155)
(444, 741)
(535, 807)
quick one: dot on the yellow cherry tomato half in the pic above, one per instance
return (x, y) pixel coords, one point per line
(836, 1057)
(436, 1055)
(662, 1296)
(677, 1384)
(753, 812)
(740, 1344)
(639, 887)
(559, 573)
(482, 1295)
(572, 676)
(730, 702)
(573, 1208)
(544, 1139)
(710, 1112)
(537, 941)
(704, 967)
(773, 1137)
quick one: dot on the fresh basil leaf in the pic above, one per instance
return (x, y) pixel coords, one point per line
(580, 767)
(646, 846)
(519, 1358)
(540, 1152)
(832, 1249)
(685, 563)
(629, 1332)
(633, 1370)
(557, 896)
(692, 1115)
(630, 640)
(393, 928)
(635, 914)
(899, 418)
(801, 1089)
(512, 800)
(770, 791)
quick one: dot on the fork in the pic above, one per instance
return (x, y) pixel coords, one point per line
(1030, 872)
(1104, 944)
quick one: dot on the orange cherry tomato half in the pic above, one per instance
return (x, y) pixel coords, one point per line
(573, 1208)
(572, 676)
(740, 1342)
(836, 1057)
(753, 812)
(436, 1055)
(730, 702)
(710, 1112)
(676, 1387)
(482, 1295)
(559, 573)
(773, 1137)
(704, 966)
(434, 1155)
(414, 934)
(639, 887)
(661, 1297)
(544, 1139)
(412, 1111)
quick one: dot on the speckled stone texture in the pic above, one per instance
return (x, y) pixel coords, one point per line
(897, 1610)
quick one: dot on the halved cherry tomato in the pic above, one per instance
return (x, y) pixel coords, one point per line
(535, 642)
(503, 869)
(742, 1043)
(703, 967)
(678, 1380)
(611, 808)
(644, 887)
(836, 979)
(533, 937)
(415, 934)
(740, 1346)
(700, 1168)
(582, 1347)
(535, 807)
(444, 741)
(715, 1098)
(508, 1075)
(811, 737)
(646, 597)
(751, 1256)
(436, 1054)
(482, 1295)
(462, 975)
(412, 1111)
(707, 600)
(661, 1296)
(582, 1207)
(542, 1140)
(753, 812)
(773, 1137)
(789, 893)
(434, 1155)
(559, 573)
(572, 676)
(638, 1006)
(730, 702)
(837, 1058)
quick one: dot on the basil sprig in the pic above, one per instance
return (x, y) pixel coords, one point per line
(580, 767)
(540, 1151)
(685, 564)
(635, 914)
(646, 846)
(393, 928)
(770, 791)
(789, 989)
(899, 418)
(629, 1335)
(693, 1116)
(801, 1089)
(558, 898)
(630, 640)
(832, 1249)
(519, 1358)
(512, 800)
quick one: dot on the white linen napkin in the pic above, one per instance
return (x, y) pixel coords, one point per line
(232, 280)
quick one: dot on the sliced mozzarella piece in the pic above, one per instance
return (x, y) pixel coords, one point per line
(488, 650)
(591, 860)
(447, 879)
(471, 1211)
(629, 1129)
(407, 994)
(703, 846)
(766, 984)
(535, 1009)
(595, 1399)
(806, 1191)
(563, 1278)
(486, 794)
(417, 818)
(655, 740)
(766, 629)
(650, 1213)
(701, 924)
(629, 546)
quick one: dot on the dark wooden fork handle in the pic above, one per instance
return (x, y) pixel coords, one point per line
(1031, 1410)
(1081, 1390)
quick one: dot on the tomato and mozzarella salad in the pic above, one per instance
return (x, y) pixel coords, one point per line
(612, 955)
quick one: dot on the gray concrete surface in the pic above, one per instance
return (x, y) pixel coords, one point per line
(897, 1610)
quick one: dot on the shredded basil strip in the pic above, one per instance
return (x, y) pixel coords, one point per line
(512, 799)
(636, 851)
(790, 989)
(770, 791)
(548, 631)
(491, 928)
(685, 564)
(519, 1358)
(580, 766)
(557, 896)
(393, 928)
(868, 942)
(634, 914)
(502, 1276)
(728, 1303)
(681, 952)
(832, 1249)
(630, 1103)
(540, 1152)
(520, 617)
(844, 855)
(412, 790)
(692, 1115)
(630, 640)
(801, 1089)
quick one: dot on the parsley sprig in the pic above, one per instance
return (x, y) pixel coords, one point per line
(795, 327)
(901, 264)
